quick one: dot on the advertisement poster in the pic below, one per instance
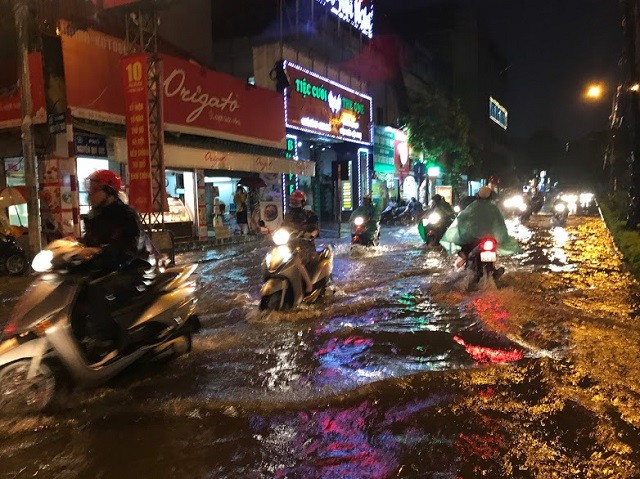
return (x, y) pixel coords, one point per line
(10, 113)
(271, 214)
(134, 78)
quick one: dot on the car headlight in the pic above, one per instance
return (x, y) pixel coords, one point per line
(358, 221)
(277, 256)
(42, 261)
(281, 237)
(586, 198)
(514, 202)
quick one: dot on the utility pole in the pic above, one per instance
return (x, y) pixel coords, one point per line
(21, 14)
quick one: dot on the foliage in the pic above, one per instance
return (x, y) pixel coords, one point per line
(627, 241)
(439, 128)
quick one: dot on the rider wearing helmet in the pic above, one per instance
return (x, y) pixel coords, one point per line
(366, 210)
(114, 243)
(298, 219)
(480, 219)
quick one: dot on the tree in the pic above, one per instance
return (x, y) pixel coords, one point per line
(439, 128)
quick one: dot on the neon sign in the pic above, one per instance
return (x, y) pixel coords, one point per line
(357, 13)
(316, 104)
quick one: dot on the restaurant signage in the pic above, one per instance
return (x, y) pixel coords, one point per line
(316, 104)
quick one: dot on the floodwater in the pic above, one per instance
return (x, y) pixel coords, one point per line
(404, 371)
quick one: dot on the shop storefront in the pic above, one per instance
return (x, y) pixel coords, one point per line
(329, 124)
(246, 122)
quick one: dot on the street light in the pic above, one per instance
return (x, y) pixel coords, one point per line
(594, 91)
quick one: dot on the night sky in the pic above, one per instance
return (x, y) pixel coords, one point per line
(555, 48)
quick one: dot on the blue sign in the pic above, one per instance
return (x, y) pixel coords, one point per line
(87, 144)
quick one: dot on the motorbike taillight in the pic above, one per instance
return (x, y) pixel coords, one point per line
(488, 245)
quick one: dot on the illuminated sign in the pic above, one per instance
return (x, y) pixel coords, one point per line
(318, 105)
(497, 113)
(357, 13)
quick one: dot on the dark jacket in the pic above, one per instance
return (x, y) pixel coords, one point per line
(299, 219)
(117, 229)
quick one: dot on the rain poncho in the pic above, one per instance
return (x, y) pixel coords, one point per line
(480, 219)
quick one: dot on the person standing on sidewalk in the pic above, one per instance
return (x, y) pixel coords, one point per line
(240, 200)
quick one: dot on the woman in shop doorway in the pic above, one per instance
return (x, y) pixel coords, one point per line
(240, 200)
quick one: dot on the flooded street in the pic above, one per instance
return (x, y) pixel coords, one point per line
(405, 371)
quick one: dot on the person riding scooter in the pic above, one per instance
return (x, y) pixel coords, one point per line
(371, 221)
(435, 220)
(300, 220)
(117, 247)
(480, 219)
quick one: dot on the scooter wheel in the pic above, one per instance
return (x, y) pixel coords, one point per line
(16, 264)
(19, 394)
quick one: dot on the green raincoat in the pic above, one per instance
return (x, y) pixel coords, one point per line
(480, 219)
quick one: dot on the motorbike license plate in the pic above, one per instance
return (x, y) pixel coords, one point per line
(488, 256)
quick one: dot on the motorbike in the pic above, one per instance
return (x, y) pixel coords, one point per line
(432, 226)
(13, 259)
(365, 232)
(46, 343)
(560, 214)
(482, 259)
(283, 286)
(402, 215)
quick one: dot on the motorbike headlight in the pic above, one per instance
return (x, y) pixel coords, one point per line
(281, 237)
(571, 199)
(42, 261)
(559, 208)
(522, 207)
(434, 218)
(277, 256)
(456, 209)
(514, 202)
(358, 221)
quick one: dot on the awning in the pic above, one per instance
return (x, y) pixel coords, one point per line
(176, 156)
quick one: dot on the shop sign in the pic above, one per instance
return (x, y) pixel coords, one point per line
(10, 108)
(384, 145)
(358, 13)
(134, 80)
(197, 100)
(57, 123)
(318, 105)
(87, 144)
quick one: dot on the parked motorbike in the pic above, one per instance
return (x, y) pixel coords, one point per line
(365, 232)
(46, 342)
(283, 286)
(13, 259)
(560, 214)
(482, 259)
(402, 215)
(432, 226)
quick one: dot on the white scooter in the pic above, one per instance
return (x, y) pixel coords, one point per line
(283, 286)
(45, 343)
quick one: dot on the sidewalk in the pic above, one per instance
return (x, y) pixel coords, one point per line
(327, 231)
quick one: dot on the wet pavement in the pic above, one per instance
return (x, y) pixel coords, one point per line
(404, 371)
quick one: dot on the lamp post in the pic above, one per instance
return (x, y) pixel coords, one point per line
(21, 16)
